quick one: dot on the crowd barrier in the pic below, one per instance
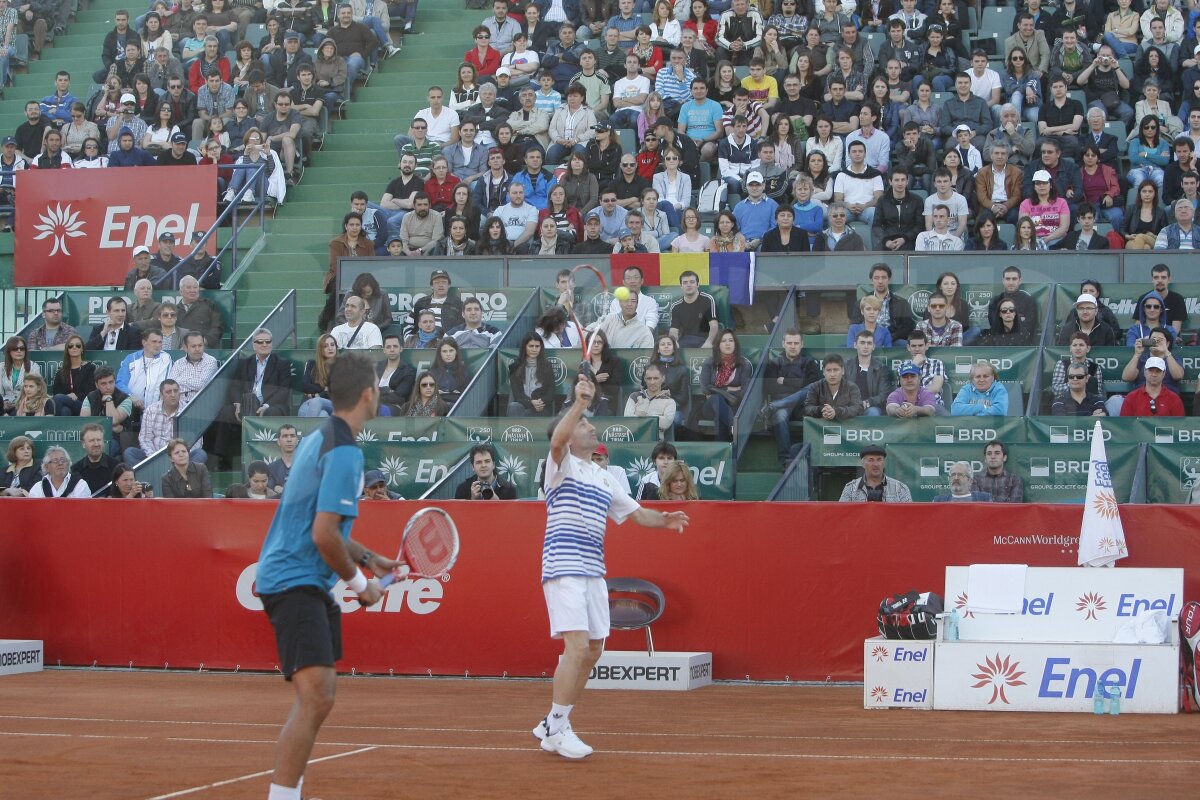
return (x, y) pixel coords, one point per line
(807, 581)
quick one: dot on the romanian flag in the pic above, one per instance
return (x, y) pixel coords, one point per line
(672, 265)
(646, 262)
(734, 270)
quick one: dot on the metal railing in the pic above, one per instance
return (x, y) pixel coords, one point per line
(796, 483)
(480, 392)
(747, 412)
(444, 489)
(208, 402)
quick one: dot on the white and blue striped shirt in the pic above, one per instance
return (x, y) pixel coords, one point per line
(580, 497)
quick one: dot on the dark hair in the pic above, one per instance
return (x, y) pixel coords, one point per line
(349, 216)
(835, 358)
(457, 367)
(482, 247)
(664, 449)
(483, 447)
(551, 319)
(716, 348)
(525, 340)
(350, 373)
(256, 468)
(104, 371)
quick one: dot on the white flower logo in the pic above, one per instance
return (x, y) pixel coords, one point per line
(640, 468)
(367, 436)
(394, 469)
(511, 468)
(62, 224)
(264, 435)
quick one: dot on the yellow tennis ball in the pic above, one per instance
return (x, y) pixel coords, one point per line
(621, 293)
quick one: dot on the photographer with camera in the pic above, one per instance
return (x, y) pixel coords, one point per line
(485, 484)
(1102, 82)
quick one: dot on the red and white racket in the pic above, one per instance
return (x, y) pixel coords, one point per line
(428, 547)
(592, 300)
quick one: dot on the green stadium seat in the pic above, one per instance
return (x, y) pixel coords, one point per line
(998, 20)
(628, 140)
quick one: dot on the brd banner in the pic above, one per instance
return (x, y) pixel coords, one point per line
(79, 227)
(838, 443)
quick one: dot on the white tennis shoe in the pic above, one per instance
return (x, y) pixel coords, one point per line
(565, 743)
(542, 729)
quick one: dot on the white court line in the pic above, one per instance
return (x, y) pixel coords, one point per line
(253, 775)
(367, 746)
(646, 734)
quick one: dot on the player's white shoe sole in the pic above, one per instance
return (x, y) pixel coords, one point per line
(565, 743)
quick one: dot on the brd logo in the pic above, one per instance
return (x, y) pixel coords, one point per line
(516, 433)
(617, 433)
(918, 301)
(637, 368)
(560, 369)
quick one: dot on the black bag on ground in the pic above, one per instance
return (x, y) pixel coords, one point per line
(912, 615)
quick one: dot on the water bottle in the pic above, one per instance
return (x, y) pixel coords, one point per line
(1099, 694)
(952, 626)
(1114, 700)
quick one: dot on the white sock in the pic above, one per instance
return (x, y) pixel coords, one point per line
(557, 719)
(283, 792)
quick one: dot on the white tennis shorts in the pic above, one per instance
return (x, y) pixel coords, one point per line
(577, 604)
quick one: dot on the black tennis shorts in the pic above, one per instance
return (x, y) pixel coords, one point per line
(308, 628)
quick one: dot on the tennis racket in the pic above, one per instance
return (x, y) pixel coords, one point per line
(429, 546)
(592, 300)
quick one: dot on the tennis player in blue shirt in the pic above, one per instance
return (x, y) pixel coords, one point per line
(580, 498)
(307, 549)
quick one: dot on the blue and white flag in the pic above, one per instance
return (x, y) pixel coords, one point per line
(1102, 537)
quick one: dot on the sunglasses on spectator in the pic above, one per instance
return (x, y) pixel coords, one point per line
(1008, 311)
(427, 385)
(1077, 376)
(483, 36)
(16, 347)
(75, 346)
(262, 341)
(1153, 306)
(937, 305)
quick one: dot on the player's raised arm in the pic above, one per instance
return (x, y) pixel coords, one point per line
(561, 440)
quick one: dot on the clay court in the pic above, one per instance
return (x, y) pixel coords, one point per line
(141, 734)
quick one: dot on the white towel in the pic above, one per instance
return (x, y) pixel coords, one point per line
(996, 588)
(1148, 627)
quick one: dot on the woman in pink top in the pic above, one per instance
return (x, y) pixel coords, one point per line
(1049, 212)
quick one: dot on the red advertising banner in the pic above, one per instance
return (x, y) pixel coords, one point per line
(78, 227)
(775, 590)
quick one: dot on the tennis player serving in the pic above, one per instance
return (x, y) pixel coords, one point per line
(308, 547)
(579, 498)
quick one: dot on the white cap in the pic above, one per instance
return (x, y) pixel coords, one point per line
(1154, 362)
(137, 251)
(1041, 176)
(966, 128)
(754, 177)
(1086, 299)
(504, 71)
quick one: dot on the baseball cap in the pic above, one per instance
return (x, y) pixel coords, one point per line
(1041, 176)
(1154, 362)
(909, 368)
(178, 137)
(602, 126)
(621, 234)
(754, 177)
(198, 235)
(601, 450)
(167, 237)
(1085, 299)
(593, 214)
(141, 248)
(872, 450)
(393, 238)
(373, 477)
(966, 128)
(291, 35)
(504, 71)
(128, 98)
(10, 140)
(439, 273)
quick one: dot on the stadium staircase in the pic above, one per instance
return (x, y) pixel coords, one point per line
(357, 154)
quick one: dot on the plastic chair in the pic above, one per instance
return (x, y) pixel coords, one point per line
(635, 603)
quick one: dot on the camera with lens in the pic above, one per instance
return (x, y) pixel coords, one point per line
(485, 491)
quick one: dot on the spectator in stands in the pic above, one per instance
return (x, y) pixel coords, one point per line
(838, 236)
(144, 270)
(872, 376)
(315, 383)
(165, 324)
(396, 378)
(1099, 333)
(873, 486)
(33, 400)
(74, 380)
(22, 471)
(142, 371)
(493, 241)
(59, 482)
(1077, 400)
(194, 369)
(56, 107)
(355, 43)
(870, 309)
(357, 332)
(485, 484)
(165, 259)
(279, 469)
(1078, 357)
(281, 130)
(693, 316)
(502, 27)
(1145, 220)
(983, 396)
(894, 311)
(1153, 399)
(548, 241)
(197, 313)
(52, 155)
(128, 155)
(1008, 330)
(662, 456)
(426, 333)
(532, 391)
(96, 467)
(724, 377)
(938, 328)
(897, 219)
(53, 333)
(1181, 234)
(961, 491)
(447, 308)
(474, 332)
(654, 400)
(859, 186)
(1160, 277)
(449, 370)
(257, 485)
(939, 238)
(32, 131)
(1184, 162)
(998, 186)
(789, 379)
(1149, 317)
(987, 233)
(351, 244)
(159, 422)
(1026, 306)
(606, 371)
(737, 154)
(185, 478)
(107, 400)
(421, 230)
(483, 57)
(375, 487)
(677, 484)
(911, 399)
(518, 217)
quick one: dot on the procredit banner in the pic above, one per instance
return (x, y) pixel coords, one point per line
(79, 227)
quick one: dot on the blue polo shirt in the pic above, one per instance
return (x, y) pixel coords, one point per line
(327, 475)
(701, 118)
